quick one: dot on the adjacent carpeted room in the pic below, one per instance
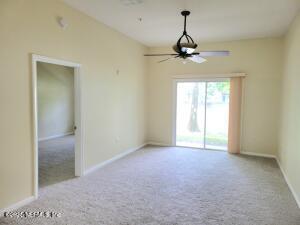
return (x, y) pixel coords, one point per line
(56, 160)
(161, 185)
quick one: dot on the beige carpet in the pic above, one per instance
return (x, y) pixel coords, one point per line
(171, 186)
(56, 160)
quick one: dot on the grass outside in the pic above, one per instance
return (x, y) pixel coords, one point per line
(216, 140)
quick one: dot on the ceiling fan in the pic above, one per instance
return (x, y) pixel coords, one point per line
(186, 50)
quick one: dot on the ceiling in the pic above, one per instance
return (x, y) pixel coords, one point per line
(159, 23)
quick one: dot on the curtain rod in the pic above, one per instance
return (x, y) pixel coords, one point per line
(218, 75)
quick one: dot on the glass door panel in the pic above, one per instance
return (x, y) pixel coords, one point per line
(202, 114)
(190, 114)
(217, 114)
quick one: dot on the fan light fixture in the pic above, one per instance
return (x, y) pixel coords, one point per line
(186, 50)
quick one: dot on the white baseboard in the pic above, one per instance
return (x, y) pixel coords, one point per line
(158, 144)
(55, 136)
(282, 171)
(242, 153)
(32, 198)
(100, 165)
(288, 183)
(258, 154)
(17, 205)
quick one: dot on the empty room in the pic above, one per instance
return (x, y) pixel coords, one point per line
(150, 112)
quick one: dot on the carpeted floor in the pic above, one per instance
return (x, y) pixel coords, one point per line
(168, 186)
(56, 160)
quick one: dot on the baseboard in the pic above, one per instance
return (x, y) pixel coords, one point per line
(55, 136)
(259, 154)
(100, 165)
(17, 205)
(158, 144)
(32, 198)
(289, 183)
(242, 153)
(281, 169)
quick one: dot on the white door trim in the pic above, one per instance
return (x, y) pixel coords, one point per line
(79, 160)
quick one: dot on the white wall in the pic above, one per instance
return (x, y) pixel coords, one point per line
(261, 59)
(55, 95)
(289, 147)
(113, 105)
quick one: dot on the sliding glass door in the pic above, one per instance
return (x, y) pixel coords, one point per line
(190, 114)
(202, 111)
(217, 115)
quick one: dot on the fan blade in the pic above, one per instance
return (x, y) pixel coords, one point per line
(159, 54)
(168, 59)
(197, 59)
(212, 53)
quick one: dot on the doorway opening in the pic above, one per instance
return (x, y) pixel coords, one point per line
(202, 114)
(58, 151)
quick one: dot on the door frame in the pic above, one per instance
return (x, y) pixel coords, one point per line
(79, 150)
(174, 109)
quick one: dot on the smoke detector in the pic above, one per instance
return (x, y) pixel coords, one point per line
(131, 2)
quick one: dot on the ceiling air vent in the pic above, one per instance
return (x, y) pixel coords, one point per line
(131, 2)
